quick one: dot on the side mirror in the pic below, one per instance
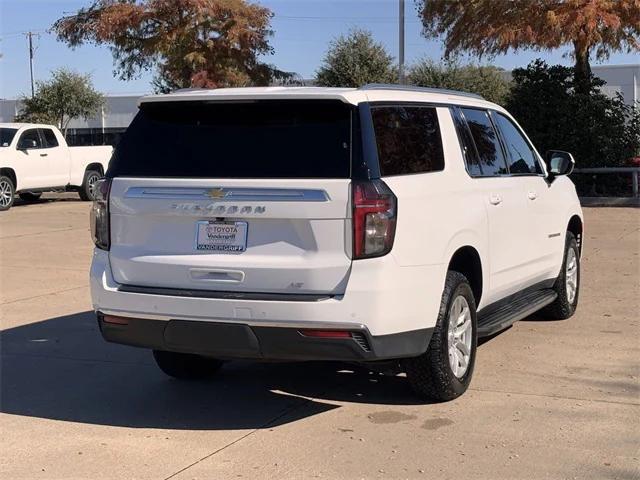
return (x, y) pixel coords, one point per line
(26, 144)
(559, 163)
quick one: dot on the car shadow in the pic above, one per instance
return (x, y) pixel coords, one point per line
(62, 369)
(47, 198)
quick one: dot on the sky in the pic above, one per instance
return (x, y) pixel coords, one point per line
(302, 32)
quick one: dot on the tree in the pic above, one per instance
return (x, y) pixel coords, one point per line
(491, 27)
(189, 43)
(66, 96)
(483, 80)
(356, 60)
(599, 130)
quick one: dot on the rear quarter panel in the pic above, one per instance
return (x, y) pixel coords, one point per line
(438, 212)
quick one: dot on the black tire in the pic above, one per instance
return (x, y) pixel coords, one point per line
(7, 193)
(86, 190)
(29, 196)
(562, 308)
(430, 374)
(186, 366)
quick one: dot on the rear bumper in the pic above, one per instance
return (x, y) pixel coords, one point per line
(234, 340)
(386, 303)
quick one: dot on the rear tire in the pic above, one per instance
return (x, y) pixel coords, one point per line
(444, 371)
(567, 284)
(7, 193)
(186, 366)
(29, 196)
(87, 190)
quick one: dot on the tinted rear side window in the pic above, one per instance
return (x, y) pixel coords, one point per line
(466, 142)
(486, 142)
(408, 139)
(259, 139)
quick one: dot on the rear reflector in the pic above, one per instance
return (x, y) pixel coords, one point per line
(326, 333)
(115, 320)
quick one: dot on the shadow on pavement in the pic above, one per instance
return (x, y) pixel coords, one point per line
(62, 369)
(48, 198)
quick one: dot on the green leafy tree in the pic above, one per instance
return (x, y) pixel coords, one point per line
(487, 81)
(67, 95)
(355, 60)
(599, 130)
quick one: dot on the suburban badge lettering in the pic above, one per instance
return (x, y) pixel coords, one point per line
(219, 209)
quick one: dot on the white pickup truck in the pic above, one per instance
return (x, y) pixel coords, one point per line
(36, 158)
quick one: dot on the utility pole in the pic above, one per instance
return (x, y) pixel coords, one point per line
(401, 43)
(30, 35)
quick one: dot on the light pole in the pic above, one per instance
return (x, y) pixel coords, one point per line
(30, 35)
(401, 43)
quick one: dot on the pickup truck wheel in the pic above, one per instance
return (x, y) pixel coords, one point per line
(87, 191)
(186, 366)
(444, 371)
(29, 196)
(567, 284)
(7, 193)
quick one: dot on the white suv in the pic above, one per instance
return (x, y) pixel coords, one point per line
(375, 224)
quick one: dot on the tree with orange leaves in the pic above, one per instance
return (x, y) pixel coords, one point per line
(190, 43)
(591, 27)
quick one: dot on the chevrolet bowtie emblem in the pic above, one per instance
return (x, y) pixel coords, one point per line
(216, 193)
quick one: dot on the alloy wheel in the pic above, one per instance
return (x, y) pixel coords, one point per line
(459, 336)
(6, 193)
(571, 275)
(91, 184)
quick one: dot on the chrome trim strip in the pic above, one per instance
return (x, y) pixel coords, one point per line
(242, 321)
(224, 294)
(229, 194)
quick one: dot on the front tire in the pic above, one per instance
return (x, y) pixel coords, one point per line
(444, 371)
(186, 366)
(567, 284)
(7, 193)
(87, 191)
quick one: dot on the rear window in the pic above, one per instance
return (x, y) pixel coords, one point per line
(254, 139)
(408, 139)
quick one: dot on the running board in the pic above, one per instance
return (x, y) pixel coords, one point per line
(500, 315)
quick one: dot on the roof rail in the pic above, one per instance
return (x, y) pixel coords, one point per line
(413, 88)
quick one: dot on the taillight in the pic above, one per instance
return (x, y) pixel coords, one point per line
(374, 219)
(100, 228)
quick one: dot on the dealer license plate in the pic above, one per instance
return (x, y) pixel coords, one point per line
(221, 236)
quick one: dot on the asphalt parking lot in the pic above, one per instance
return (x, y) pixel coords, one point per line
(557, 400)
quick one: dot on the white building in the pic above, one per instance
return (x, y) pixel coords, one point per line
(624, 79)
(105, 128)
(120, 109)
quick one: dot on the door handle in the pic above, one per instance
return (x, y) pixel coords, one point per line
(532, 195)
(495, 199)
(44, 154)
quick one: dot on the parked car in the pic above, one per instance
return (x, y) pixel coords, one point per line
(36, 159)
(379, 224)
